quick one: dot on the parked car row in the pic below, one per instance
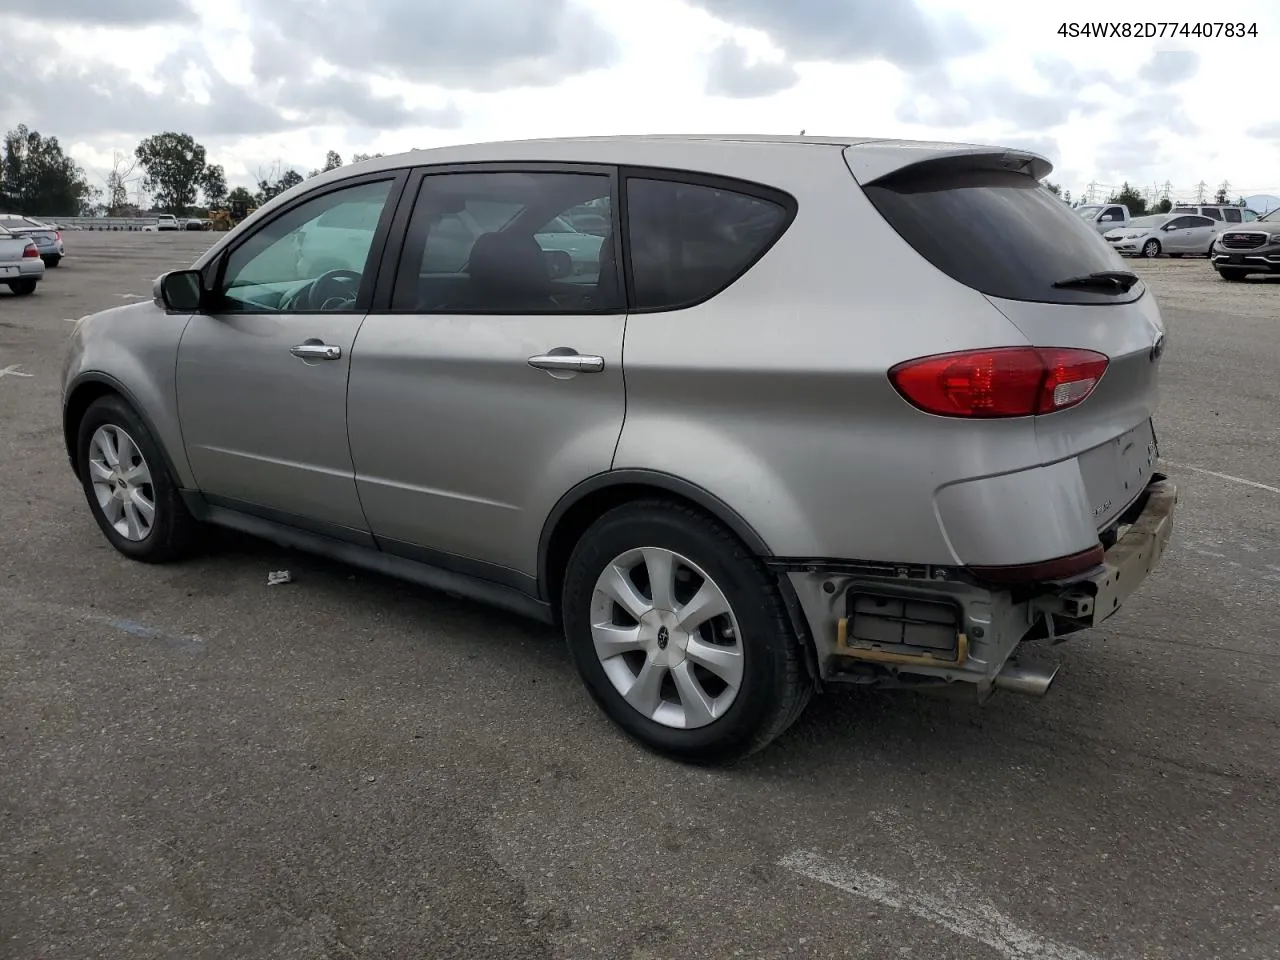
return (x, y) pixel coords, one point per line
(47, 237)
(21, 266)
(1106, 217)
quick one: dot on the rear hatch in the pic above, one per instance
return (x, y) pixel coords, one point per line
(981, 216)
(43, 236)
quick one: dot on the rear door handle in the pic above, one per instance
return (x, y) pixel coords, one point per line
(569, 362)
(315, 350)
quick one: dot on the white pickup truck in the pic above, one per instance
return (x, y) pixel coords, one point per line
(21, 267)
(1104, 216)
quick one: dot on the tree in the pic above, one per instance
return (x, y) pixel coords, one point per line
(241, 195)
(1052, 188)
(213, 184)
(361, 157)
(1132, 199)
(117, 183)
(332, 161)
(1164, 206)
(1221, 196)
(38, 179)
(1066, 198)
(175, 166)
(274, 181)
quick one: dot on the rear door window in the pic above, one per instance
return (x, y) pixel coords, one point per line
(1212, 212)
(501, 243)
(999, 233)
(690, 241)
(1233, 216)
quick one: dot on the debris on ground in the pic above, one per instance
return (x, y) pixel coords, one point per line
(278, 576)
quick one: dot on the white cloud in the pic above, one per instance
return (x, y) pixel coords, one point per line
(1143, 110)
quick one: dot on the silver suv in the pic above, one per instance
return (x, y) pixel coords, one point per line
(826, 411)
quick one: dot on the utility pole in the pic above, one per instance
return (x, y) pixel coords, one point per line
(1089, 194)
(1165, 190)
(1200, 189)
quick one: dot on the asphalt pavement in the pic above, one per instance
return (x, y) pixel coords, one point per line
(196, 765)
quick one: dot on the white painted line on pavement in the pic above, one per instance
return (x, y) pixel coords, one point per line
(130, 296)
(969, 917)
(1223, 476)
(12, 371)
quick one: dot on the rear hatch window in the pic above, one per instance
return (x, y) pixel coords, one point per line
(1002, 234)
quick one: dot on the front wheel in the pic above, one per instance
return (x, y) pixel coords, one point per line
(52, 261)
(129, 489)
(1151, 248)
(680, 635)
(23, 288)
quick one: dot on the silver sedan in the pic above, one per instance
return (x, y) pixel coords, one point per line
(1173, 233)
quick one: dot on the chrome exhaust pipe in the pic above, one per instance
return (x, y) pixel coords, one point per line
(1032, 680)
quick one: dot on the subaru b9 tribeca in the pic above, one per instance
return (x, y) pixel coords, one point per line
(830, 410)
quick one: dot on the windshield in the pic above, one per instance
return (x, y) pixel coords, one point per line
(1146, 223)
(1271, 215)
(1087, 213)
(999, 233)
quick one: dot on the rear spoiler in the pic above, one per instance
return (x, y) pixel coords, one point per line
(876, 160)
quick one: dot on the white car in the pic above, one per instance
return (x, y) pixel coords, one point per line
(21, 267)
(1174, 234)
(164, 221)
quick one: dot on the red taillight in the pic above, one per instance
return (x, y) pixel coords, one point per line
(57, 234)
(999, 382)
(31, 250)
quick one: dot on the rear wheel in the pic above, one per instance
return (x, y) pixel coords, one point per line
(1226, 273)
(23, 288)
(130, 492)
(680, 635)
(52, 261)
(1151, 248)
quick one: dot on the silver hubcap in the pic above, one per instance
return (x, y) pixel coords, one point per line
(666, 637)
(122, 482)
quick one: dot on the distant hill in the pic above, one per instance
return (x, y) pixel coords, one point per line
(1262, 202)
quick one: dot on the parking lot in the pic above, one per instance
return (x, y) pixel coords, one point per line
(194, 764)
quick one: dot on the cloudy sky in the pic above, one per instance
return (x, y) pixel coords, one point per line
(261, 81)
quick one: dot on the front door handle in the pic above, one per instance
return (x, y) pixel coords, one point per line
(567, 362)
(315, 350)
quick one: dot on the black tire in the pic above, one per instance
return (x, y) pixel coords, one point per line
(775, 686)
(52, 262)
(174, 533)
(1151, 249)
(1226, 273)
(1176, 256)
(23, 288)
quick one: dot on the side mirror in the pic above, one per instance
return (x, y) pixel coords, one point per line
(180, 291)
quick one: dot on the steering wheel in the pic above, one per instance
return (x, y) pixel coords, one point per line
(332, 290)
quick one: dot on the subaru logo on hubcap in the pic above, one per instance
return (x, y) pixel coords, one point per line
(664, 636)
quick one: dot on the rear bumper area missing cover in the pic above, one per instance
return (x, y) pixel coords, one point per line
(901, 625)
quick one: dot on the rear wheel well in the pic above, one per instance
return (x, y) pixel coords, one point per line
(576, 520)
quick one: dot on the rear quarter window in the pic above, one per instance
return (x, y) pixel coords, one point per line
(997, 232)
(690, 241)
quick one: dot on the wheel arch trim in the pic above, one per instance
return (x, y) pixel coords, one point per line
(70, 432)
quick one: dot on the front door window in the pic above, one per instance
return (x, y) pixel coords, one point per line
(310, 259)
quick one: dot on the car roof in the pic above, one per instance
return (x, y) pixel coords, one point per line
(694, 150)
